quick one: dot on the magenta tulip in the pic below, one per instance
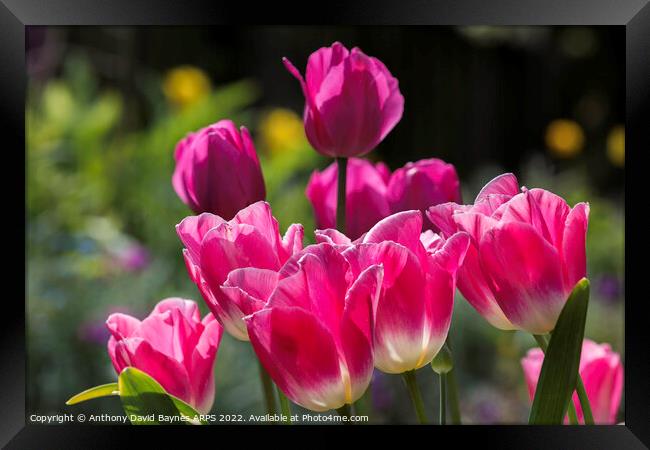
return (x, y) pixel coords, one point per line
(527, 253)
(602, 374)
(173, 346)
(423, 184)
(251, 241)
(413, 314)
(217, 170)
(314, 337)
(366, 202)
(351, 101)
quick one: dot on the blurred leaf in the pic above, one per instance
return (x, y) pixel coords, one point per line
(559, 374)
(103, 390)
(141, 395)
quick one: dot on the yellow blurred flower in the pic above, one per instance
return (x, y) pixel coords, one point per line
(184, 85)
(564, 138)
(281, 130)
(616, 145)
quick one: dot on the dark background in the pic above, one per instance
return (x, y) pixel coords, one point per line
(507, 83)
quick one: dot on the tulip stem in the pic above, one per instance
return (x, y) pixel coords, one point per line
(285, 407)
(416, 398)
(543, 344)
(267, 389)
(443, 399)
(342, 168)
(452, 390)
(584, 402)
(452, 397)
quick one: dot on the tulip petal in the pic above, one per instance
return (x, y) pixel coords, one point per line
(542, 209)
(292, 240)
(193, 229)
(451, 255)
(356, 330)
(122, 326)
(403, 228)
(525, 275)
(475, 225)
(442, 216)
(573, 245)
(506, 184)
(248, 289)
(332, 237)
(299, 353)
(473, 284)
(319, 286)
(227, 247)
(230, 317)
(202, 367)
(187, 308)
(138, 353)
(170, 332)
(259, 215)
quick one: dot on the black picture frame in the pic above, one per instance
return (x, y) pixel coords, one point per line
(634, 15)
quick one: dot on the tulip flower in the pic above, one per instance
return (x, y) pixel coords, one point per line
(216, 248)
(173, 346)
(413, 313)
(527, 253)
(314, 336)
(217, 170)
(422, 184)
(351, 101)
(601, 372)
(366, 201)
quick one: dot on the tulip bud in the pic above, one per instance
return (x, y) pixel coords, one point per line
(443, 362)
(351, 101)
(217, 170)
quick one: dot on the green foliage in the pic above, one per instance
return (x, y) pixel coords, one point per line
(559, 374)
(144, 400)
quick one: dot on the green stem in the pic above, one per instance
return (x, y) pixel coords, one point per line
(342, 168)
(543, 344)
(443, 399)
(416, 398)
(267, 389)
(285, 407)
(584, 402)
(452, 391)
(452, 397)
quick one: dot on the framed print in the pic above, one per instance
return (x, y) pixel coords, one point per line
(389, 214)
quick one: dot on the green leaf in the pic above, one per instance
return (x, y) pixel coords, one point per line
(102, 390)
(147, 403)
(559, 374)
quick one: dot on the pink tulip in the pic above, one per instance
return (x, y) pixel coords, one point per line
(351, 101)
(602, 374)
(217, 170)
(423, 184)
(413, 314)
(173, 346)
(527, 253)
(314, 337)
(366, 202)
(251, 241)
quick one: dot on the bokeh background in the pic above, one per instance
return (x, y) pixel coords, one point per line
(106, 106)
